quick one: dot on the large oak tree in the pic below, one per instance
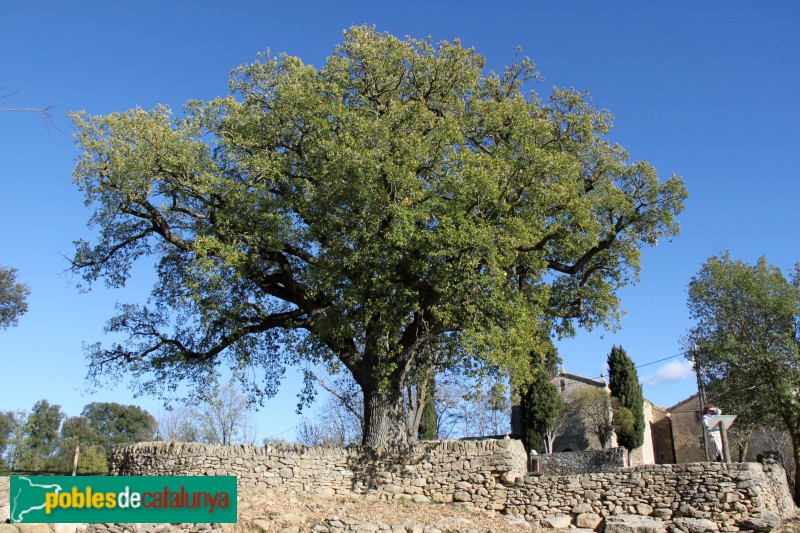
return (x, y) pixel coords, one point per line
(357, 213)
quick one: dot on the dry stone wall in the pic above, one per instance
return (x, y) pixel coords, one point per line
(583, 462)
(675, 494)
(489, 475)
(439, 471)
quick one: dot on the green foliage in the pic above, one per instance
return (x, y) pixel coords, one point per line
(41, 428)
(8, 422)
(623, 380)
(540, 408)
(77, 431)
(39, 445)
(79, 428)
(40, 441)
(745, 336)
(12, 297)
(356, 213)
(745, 341)
(624, 421)
(109, 424)
(541, 404)
(15, 438)
(91, 459)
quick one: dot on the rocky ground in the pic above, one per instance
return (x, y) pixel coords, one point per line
(276, 512)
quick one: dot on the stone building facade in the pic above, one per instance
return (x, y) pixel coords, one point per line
(575, 437)
(672, 434)
(683, 432)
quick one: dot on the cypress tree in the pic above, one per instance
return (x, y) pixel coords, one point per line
(624, 384)
(541, 402)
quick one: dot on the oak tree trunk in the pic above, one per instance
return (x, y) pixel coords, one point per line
(385, 414)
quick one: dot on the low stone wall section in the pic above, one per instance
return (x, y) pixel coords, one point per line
(439, 471)
(584, 462)
(675, 494)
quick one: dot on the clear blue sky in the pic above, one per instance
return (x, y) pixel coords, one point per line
(706, 90)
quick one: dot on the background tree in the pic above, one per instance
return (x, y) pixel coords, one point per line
(623, 420)
(339, 420)
(593, 406)
(335, 424)
(7, 425)
(745, 341)
(354, 214)
(227, 418)
(449, 397)
(39, 439)
(15, 438)
(224, 418)
(470, 407)
(773, 438)
(541, 404)
(76, 431)
(179, 424)
(277, 442)
(12, 297)
(564, 417)
(498, 408)
(623, 381)
(114, 424)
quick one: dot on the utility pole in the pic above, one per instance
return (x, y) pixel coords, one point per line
(701, 393)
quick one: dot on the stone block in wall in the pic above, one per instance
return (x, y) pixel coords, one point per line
(695, 525)
(633, 524)
(587, 520)
(556, 522)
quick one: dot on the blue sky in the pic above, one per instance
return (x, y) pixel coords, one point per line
(705, 90)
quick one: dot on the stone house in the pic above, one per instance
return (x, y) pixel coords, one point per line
(672, 435)
(678, 436)
(679, 433)
(574, 436)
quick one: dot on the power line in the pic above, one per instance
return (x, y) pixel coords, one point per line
(656, 361)
(598, 377)
(294, 427)
(664, 359)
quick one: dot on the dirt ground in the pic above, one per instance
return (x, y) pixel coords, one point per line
(274, 512)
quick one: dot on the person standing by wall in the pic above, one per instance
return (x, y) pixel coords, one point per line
(714, 436)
